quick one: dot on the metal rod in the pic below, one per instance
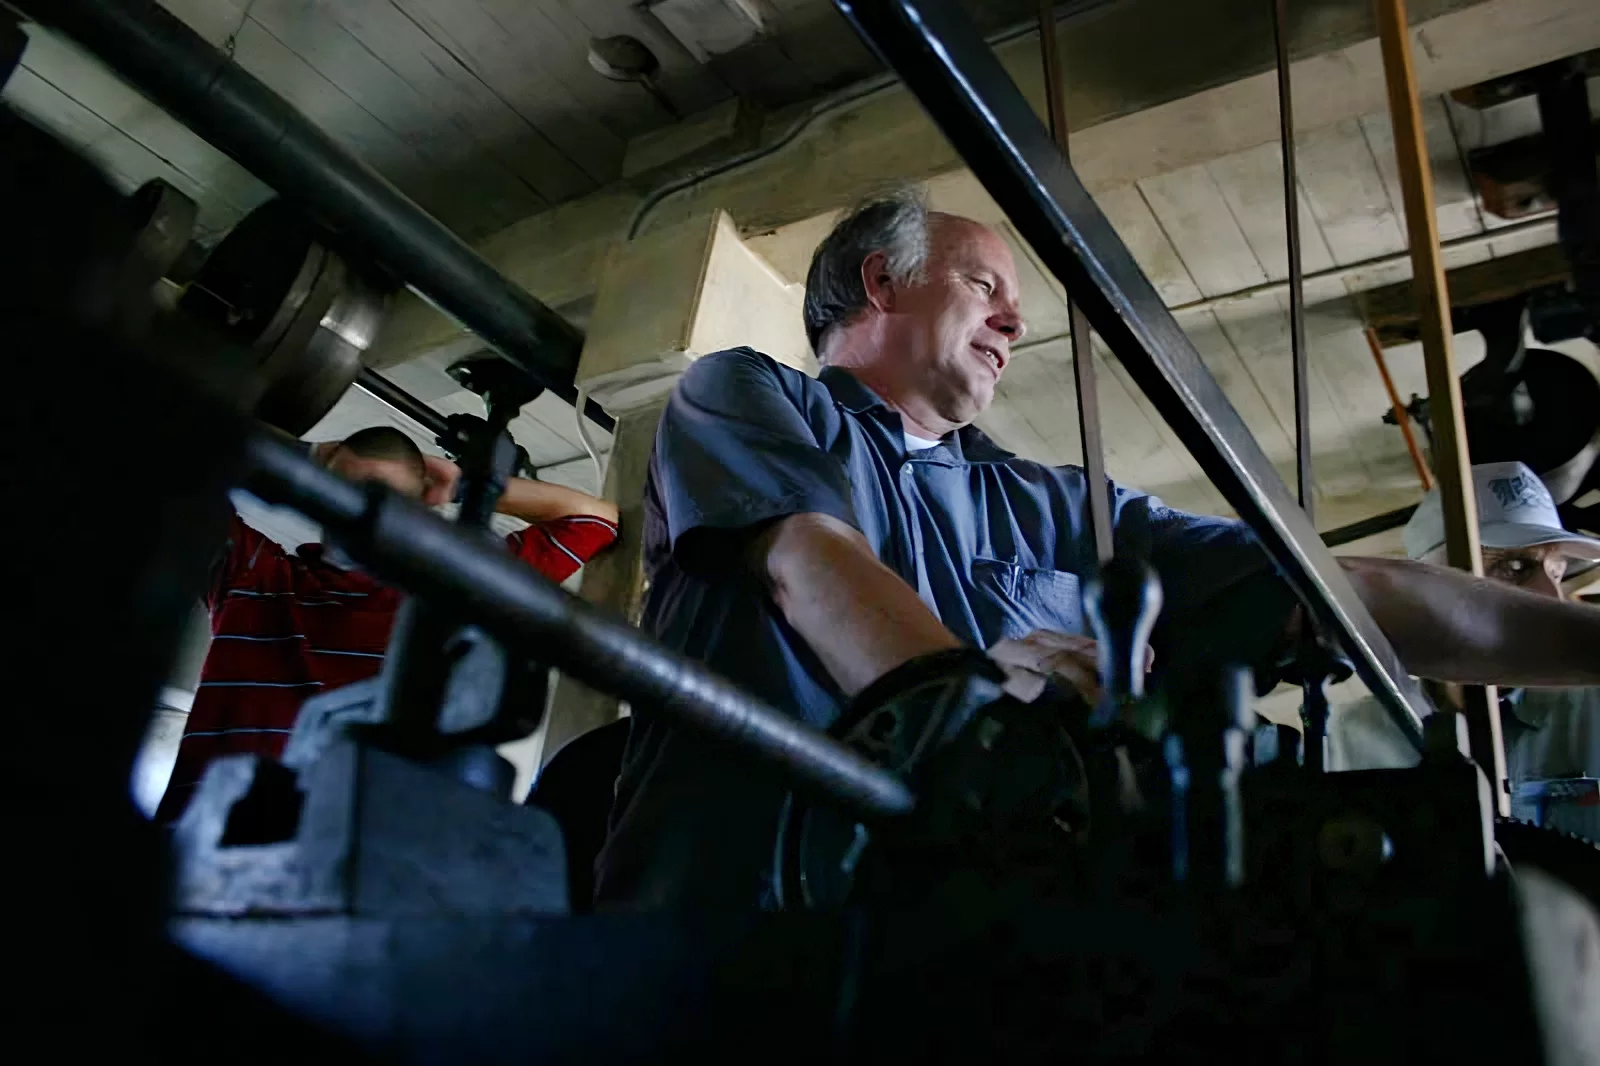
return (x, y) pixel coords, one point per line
(1451, 462)
(937, 51)
(1574, 176)
(381, 388)
(1368, 527)
(1402, 417)
(1083, 372)
(1314, 706)
(405, 544)
(370, 381)
(1297, 295)
(156, 53)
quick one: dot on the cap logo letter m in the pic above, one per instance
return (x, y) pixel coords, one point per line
(1514, 491)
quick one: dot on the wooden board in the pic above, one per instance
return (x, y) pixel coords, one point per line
(1130, 215)
(1252, 184)
(536, 64)
(1347, 195)
(1194, 215)
(377, 57)
(1259, 332)
(1455, 201)
(1272, 426)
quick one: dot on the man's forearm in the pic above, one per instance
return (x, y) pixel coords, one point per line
(856, 614)
(1450, 626)
(540, 501)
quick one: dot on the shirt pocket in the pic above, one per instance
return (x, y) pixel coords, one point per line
(1012, 601)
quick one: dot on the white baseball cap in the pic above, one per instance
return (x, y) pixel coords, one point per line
(1514, 511)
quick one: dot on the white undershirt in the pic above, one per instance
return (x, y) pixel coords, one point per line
(917, 444)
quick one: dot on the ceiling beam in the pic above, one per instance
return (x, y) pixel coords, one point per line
(1392, 309)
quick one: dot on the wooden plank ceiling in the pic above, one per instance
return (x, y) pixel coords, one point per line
(486, 111)
(483, 111)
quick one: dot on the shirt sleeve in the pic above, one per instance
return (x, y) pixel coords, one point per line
(736, 450)
(1223, 602)
(557, 548)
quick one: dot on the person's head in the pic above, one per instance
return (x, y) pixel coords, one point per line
(1524, 543)
(382, 454)
(921, 306)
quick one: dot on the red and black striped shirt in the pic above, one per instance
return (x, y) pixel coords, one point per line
(287, 626)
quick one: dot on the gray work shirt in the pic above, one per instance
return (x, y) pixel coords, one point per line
(994, 544)
(1551, 735)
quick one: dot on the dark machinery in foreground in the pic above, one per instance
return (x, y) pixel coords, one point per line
(1206, 896)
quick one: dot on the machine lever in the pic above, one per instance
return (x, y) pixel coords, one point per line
(1121, 605)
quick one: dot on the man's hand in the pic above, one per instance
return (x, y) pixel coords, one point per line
(440, 478)
(1034, 659)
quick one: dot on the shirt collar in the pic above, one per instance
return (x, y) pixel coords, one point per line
(970, 444)
(848, 391)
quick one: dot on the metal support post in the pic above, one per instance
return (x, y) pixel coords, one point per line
(1451, 461)
(1083, 373)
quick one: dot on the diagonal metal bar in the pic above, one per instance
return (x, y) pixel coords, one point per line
(935, 48)
(1083, 373)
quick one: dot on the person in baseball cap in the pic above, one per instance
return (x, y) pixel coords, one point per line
(1523, 540)
(1552, 735)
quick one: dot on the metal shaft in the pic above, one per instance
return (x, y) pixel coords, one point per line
(1083, 373)
(476, 581)
(201, 87)
(1297, 296)
(381, 388)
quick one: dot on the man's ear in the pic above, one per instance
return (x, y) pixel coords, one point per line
(877, 283)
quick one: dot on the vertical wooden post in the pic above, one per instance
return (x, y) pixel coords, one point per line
(1451, 462)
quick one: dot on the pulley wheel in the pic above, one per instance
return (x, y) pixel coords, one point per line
(306, 312)
(1544, 413)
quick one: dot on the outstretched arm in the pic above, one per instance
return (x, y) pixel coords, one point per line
(540, 501)
(1450, 626)
(531, 501)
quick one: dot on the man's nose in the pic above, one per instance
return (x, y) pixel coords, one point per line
(1008, 323)
(1545, 584)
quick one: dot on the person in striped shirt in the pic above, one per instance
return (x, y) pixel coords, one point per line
(287, 625)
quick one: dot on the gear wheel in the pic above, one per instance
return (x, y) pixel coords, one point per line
(1567, 856)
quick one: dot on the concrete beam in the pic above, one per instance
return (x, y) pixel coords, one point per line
(1152, 87)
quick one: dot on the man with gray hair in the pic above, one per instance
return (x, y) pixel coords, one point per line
(1552, 735)
(809, 538)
